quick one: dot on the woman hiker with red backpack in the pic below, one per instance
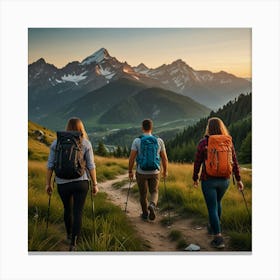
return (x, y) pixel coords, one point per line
(216, 154)
(71, 157)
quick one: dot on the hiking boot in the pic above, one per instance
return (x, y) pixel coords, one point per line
(144, 217)
(210, 229)
(218, 242)
(72, 248)
(73, 244)
(68, 239)
(152, 214)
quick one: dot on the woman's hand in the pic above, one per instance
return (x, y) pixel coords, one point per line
(49, 189)
(95, 189)
(240, 185)
(195, 184)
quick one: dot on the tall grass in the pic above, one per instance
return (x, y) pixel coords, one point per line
(111, 231)
(107, 229)
(109, 168)
(188, 201)
(180, 194)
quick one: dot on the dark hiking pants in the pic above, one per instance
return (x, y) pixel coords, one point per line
(73, 196)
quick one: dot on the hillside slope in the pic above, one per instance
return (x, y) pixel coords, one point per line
(155, 103)
(235, 114)
(39, 140)
(127, 102)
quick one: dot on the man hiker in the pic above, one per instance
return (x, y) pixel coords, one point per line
(149, 151)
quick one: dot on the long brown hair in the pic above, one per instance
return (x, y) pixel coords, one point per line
(75, 124)
(215, 126)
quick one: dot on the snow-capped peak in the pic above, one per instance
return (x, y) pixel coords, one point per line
(141, 68)
(180, 63)
(96, 57)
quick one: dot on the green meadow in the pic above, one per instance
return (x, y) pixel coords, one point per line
(110, 230)
(107, 227)
(184, 201)
(188, 201)
(104, 229)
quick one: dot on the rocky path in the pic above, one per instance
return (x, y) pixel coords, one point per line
(153, 232)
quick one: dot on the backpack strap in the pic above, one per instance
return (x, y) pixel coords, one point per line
(205, 154)
(141, 136)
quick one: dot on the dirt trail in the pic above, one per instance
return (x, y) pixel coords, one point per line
(155, 234)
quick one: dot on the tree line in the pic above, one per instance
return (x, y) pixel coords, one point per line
(237, 116)
(118, 151)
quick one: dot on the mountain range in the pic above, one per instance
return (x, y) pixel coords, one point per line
(104, 90)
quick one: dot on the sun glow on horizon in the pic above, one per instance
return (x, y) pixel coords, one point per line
(213, 49)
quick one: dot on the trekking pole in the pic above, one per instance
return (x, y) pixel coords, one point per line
(92, 210)
(130, 182)
(168, 205)
(48, 213)
(249, 215)
(49, 206)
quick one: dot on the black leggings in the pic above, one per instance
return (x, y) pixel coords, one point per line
(73, 196)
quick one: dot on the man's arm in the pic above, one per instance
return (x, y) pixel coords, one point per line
(164, 160)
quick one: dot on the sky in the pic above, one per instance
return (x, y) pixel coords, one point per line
(214, 49)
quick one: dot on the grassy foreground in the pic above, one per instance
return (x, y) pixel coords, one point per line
(111, 230)
(189, 202)
(107, 230)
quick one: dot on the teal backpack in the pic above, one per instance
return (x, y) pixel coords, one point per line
(148, 158)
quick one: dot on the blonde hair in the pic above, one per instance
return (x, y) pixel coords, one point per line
(75, 124)
(215, 126)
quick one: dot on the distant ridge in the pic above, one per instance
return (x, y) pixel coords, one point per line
(51, 88)
(127, 102)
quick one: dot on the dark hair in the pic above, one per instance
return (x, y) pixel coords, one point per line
(147, 124)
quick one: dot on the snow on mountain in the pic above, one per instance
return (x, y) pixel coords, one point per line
(97, 57)
(105, 72)
(97, 70)
(74, 78)
(141, 68)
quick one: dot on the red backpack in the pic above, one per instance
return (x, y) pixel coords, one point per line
(219, 162)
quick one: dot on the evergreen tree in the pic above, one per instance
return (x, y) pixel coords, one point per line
(245, 154)
(235, 114)
(125, 152)
(118, 153)
(101, 149)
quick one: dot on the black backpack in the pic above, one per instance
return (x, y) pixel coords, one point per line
(69, 158)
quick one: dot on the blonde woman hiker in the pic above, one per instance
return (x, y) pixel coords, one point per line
(216, 155)
(71, 158)
(148, 151)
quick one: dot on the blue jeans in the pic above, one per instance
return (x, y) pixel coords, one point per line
(213, 191)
